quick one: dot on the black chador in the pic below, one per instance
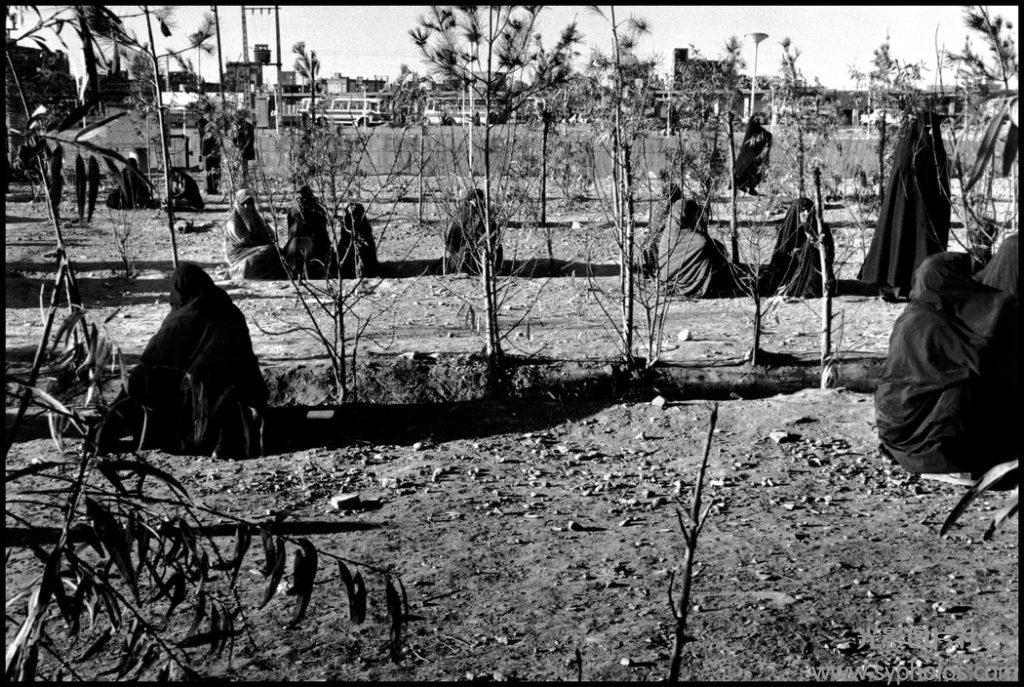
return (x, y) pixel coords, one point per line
(913, 221)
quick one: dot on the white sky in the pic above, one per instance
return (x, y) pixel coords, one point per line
(374, 40)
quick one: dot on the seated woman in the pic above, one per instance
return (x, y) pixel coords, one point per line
(949, 396)
(1003, 271)
(308, 250)
(249, 246)
(795, 268)
(356, 246)
(134, 191)
(185, 191)
(198, 381)
(688, 261)
(464, 244)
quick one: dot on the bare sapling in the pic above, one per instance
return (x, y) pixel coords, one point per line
(166, 156)
(734, 234)
(827, 285)
(691, 525)
(484, 50)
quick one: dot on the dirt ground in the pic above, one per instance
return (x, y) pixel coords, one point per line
(565, 315)
(525, 531)
(818, 556)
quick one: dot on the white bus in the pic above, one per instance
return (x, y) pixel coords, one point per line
(349, 109)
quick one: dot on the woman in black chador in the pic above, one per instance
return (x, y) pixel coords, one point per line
(686, 259)
(308, 250)
(913, 222)
(356, 246)
(185, 191)
(464, 243)
(795, 268)
(752, 157)
(198, 379)
(949, 399)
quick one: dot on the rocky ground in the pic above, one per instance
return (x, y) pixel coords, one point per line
(525, 532)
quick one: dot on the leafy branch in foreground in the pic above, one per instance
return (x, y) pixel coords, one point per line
(139, 553)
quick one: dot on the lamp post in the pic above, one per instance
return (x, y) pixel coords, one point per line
(758, 37)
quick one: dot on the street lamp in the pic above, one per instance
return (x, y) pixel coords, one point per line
(758, 37)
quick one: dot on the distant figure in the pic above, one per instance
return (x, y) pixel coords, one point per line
(308, 250)
(649, 241)
(249, 246)
(913, 222)
(795, 268)
(185, 191)
(464, 244)
(134, 191)
(949, 399)
(689, 262)
(94, 187)
(245, 143)
(1003, 272)
(357, 248)
(752, 157)
(198, 378)
(209, 151)
(81, 188)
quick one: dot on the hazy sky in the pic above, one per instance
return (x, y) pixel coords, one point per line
(374, 40)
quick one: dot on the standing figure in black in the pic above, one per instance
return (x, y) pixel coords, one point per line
(752, 157)
(913, 222)
(209, 151)
(245, 142)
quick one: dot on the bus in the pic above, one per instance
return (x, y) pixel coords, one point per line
(347, 109)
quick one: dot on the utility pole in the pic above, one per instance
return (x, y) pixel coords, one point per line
(220, 54)
(278, 104)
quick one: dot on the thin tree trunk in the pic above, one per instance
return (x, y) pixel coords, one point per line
(163, 142)
(419, 194)
(487, 273)
(624, 205)
(757, 324)
(733, 229)
(800, 159)
(630, 233)
(546, 126)
(824, 239)
(881, 160)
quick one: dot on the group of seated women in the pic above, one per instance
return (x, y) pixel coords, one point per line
(678, 251)
(251, 248)
(949, 399)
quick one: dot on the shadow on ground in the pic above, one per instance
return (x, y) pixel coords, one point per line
(289, 429)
